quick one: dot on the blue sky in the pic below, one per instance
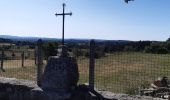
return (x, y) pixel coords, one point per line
(92, 19)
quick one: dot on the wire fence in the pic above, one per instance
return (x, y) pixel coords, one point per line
(127, 72)
(18, 64)
(120, 72)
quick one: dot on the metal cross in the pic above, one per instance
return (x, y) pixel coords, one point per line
(126, 1)
(63, 14)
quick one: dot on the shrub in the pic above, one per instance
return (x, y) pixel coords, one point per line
(129, 48)
(78, 52)
(50, 49)
(98, 53)
(156, 49)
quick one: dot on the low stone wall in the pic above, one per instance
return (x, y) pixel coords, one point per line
(17, 89)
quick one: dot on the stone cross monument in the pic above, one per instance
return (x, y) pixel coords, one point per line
(63, 14)
(61, 72)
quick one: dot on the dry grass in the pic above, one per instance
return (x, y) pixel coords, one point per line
(20, 73)
(6, 44)
(126, 71)
(117, 72)
(18, 63)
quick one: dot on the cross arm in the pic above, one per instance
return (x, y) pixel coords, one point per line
(64, 14)
(68, 14)
(126, 1)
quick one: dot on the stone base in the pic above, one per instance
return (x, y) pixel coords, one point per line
(39, 94)
(61, 74)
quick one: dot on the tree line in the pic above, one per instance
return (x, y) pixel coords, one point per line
(101, 47)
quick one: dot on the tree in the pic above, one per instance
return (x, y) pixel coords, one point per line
(50, 49)
(78, 52)
(99, 52)
(129, 48)
(13, 55)
(167, 44)
(156, 48)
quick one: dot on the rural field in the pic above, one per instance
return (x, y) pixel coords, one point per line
(122, 72)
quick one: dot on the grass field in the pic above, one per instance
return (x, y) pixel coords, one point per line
(125, 72)
(6, 44)
(117, 72)
(13, 69)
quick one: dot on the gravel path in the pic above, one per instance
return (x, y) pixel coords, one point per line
(111, 95)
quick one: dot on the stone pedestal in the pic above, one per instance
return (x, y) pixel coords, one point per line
(60, 75)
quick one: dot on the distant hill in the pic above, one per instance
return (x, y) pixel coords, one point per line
(18, 38)
(4, 40)
(34, 39)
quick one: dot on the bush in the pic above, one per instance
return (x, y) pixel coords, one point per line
(50, 49)
(13, 55)
(162, 51)
(98, 53)
(129, 49)
(147, 50)
(5, 57)
(156, 49)
(79, 52)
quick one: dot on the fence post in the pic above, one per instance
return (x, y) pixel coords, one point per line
(2, 61)
(91, 64)
(35, 55)
(39, 63)
(23, 58)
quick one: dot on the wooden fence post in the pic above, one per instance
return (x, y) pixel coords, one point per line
(23, 58)
(39, 63)
(35, 55)
(2, 60)
(91, 64)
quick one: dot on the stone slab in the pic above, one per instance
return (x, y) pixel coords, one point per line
(61, 74)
